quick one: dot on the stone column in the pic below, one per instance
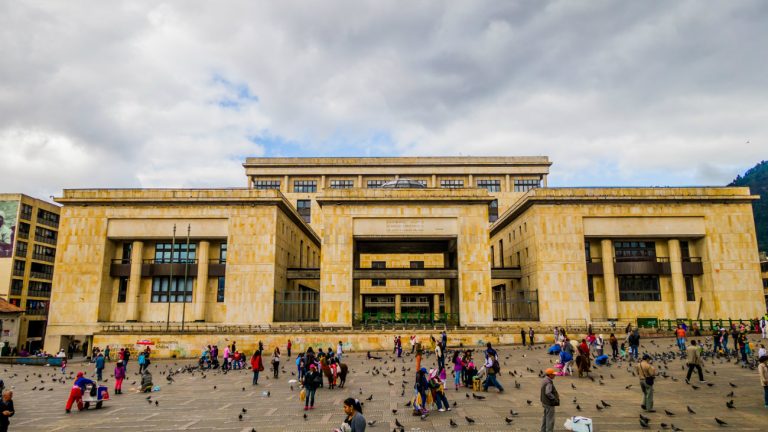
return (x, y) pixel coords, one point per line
(611, 299)
(678, 283)
(201, 284)
(360, 181)
(134, 281)
(286, 187)
(398, 307)
(507, 185)
(471, 179)
(436, 305)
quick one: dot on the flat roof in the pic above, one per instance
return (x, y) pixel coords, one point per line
(398, 161)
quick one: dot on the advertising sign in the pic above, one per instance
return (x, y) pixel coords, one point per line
(8, 212)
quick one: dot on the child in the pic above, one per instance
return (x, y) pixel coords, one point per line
(64, 365)
(623, 352)
(119, 376)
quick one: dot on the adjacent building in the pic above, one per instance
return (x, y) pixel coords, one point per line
(342, 245)
(28, 236)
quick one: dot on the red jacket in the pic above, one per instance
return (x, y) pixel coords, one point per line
(256, 363)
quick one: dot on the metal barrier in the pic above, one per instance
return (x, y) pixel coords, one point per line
(384, 319)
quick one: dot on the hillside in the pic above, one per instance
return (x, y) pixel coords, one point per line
(757, 180)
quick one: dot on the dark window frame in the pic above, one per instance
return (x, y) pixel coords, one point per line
(634, 288)
(524, 185)
(305, 186)
(304, 208)
(266, 184)
(452, 184)
(490, 185)
(342, 184)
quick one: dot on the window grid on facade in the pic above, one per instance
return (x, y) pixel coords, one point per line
(164, 291)
(342, 184)
(305, 186)
(493, 211)
(220, 290)
(639, 288)
(122, 290)
(223, 253)
(378, 265)
(266, 184)
(526, 185)
(452, 184)
(180, 253)
(375, 184)
(417, 265)
(690, 291)
(304, 207)
(635, 250)
(490, 185)
(591, 288)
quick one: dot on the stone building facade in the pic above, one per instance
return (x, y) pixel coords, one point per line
(317, 243)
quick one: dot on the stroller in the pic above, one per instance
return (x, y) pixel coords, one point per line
(95, 394)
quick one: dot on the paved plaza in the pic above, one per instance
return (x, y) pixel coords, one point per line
(214, 400)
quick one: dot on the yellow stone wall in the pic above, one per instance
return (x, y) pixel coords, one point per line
(552, 231)
(85, 296)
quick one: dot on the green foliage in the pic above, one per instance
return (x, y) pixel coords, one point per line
(757, 180)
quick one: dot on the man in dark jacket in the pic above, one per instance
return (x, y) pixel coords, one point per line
(6, 410)
(549, 399)
(312, 380)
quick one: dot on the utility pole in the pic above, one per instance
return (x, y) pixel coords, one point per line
(186, 275)
(170, 281)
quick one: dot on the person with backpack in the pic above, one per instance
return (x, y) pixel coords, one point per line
(312, 380)
(141, 362)
(492, 369)
(647, 374)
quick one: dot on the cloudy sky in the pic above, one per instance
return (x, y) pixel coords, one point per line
(163, 94)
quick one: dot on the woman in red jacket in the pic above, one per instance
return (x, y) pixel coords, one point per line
(257, 366)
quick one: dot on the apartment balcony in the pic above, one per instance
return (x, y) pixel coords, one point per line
(37, 311)
(53, 224)
(595, 266)
(18, 272)
(642, 266)
(39, 293)
(44, 257)
(41, 275)
(22, 253)
(692, 266)
(49, 240)
(152, 268)
(15, 291)
(24, 235)
(25, 215)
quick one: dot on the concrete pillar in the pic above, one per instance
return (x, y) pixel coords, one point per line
(398, 305)
(201, 285)
(611, 297)
(544, 180)
(436, 304)
(471, 181)
(322, 183)
(434, 180)
(678, 282)
(360, 181)
(286, 187)
(134, 281)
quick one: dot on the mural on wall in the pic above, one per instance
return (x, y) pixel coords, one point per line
(8, 212)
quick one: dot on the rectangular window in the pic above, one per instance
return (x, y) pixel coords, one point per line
(501, 253)
(452, 184)
(639, 288)
(16, 286)
(223, 253)
(180, 253)
(39, 289)
(304, 208)
(26, 211)
(127, 250)
(493, 211)
(47, 218)
(164, 291)
(526, 185)
(417, 265)
(493, 258)
(21, 249)
(635, 250)
(685, 251)
(378, 265)
(375, 184)
(690, 291)
(44, 253)
(266, 184)
(590, 288)
(122, 290)
(491, 185)
(342, 184)
(305, 186)
(45, 235)
(220, 290)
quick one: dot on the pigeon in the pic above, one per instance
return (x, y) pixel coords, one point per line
(478, 397)
(369, 398)
(604, 403)
(372, 422)
(469, 420)
(244, 410)
(578, 408)
(730, 395)
(644, 424)
(398, 424)
(720, 422)
(729, 404)
(513, 413)
(644, 418)
(690, 410)
(452, 423)
(157, 403)
(528, 401)
(669, 413)
(599, 408)
(732, 384)
(305, 417)
(240, 417)
(394, 411)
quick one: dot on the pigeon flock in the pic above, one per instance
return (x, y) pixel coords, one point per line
(192, 399)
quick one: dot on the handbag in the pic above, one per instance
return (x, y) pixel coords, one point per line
(650, 380)
(303, 395)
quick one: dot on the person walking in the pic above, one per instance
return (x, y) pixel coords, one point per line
(694, 362)
(276, 362)
(256, 366)
(119, 377)
(634, 343)
(680, 334)
(764, 326)
(312, 380)
(599, 343)
(437, 385)
(354, 422)
(339, 351)
(530, 336)
(492, 369)
(288, 349)
(126, 358)
(522, 335)
(614, 345)
(742, 344)
(647, 374)
(444, 339)
(458, 367)
(549, 399)
(99, 366)
(421, 387)
(6, 410)
(141, 362)
(440, 356)
(762, 369)
(106, 353)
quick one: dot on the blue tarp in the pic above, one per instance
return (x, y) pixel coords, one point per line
(602, 360)
(554, 349)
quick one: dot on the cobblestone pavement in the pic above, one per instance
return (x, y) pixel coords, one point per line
(194, 402)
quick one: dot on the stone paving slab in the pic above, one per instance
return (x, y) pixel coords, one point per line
(192, 404)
